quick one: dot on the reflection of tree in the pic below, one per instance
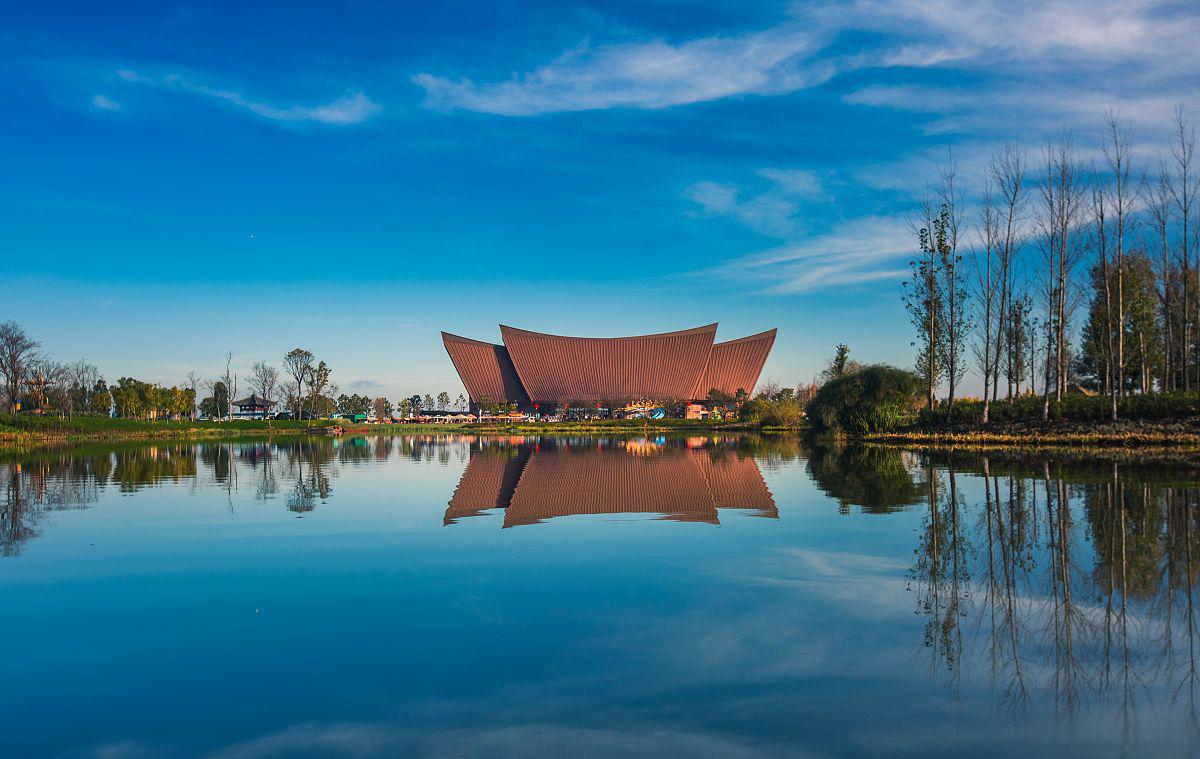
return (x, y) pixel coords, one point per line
(876, 479)
(1085, 578)
(37, 487)
(136, 468)
(308, 463)
(941, 572)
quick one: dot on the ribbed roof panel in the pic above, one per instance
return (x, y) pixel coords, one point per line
(735, 365)
(485, 369)
(610, 482)
(558, 369)
(487, 483)
(736, 483)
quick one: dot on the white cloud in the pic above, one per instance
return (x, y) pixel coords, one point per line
(766, 213)
(853, 252)
(652, 74)
(772, 211)
(105, 104)
(1116, 41)
(351, 108)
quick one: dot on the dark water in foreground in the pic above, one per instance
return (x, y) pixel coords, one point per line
(593, 597)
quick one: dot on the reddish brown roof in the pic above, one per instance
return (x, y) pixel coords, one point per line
(558, 369)
(485, 368)
(735, 365)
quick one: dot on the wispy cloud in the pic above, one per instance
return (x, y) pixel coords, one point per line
(104, 103)
(652, 74)
(852, 252)
(352, 108)
(1034, 46)
(771, 210)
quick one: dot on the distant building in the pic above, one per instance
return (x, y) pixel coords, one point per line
(536, 370)
(252, 407)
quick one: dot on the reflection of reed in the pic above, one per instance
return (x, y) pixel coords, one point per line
(1085, 612)
(534, 482)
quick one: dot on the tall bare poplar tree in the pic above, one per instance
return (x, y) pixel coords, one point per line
(1117, 150)
(1062, 194)
(1158, 202)
(1184, 189)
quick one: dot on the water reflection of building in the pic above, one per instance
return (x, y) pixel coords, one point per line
(535, 482)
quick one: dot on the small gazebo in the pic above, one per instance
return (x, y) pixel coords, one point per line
(254, 405)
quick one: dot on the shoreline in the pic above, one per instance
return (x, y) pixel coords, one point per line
(54, 431)
(1175, 435)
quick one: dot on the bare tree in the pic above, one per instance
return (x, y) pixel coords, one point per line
(1159, 205)
(1062, 193)
(1184, 189)
(16, 354)
(264, 380)
(193, 384)
(988, 292)
(299, 364)
(956, 319)
(1117, 149)
(230, 380)
(1100, 215)
(1007, 172)
(79, 379)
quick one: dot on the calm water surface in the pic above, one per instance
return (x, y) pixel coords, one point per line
(587, 596)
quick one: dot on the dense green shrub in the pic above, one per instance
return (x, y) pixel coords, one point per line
(785, 412)
(877, 398)
(1075, 407)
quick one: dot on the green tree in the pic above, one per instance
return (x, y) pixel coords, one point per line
(924, 298)
(876, 399)
(841, 364)
(382, 408)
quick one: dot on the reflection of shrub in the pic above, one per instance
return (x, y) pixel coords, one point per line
(878, 398)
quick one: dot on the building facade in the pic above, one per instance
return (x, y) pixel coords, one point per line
(534, 368)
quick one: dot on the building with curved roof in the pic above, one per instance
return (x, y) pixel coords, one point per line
(535, 367)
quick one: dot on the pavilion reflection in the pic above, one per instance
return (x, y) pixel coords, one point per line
(533, 481)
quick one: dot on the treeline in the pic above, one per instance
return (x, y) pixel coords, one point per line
(1072, 275)
(302, 387)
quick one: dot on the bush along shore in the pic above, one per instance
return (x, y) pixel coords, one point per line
(34, 429)
(883, 404)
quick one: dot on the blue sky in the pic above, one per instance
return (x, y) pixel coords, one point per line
(190, 179)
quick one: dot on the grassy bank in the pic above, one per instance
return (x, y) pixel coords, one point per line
(29, 428)
(1142, 434)
(24, 429)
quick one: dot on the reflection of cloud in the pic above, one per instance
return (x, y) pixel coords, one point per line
(525, 740)
(121, 750)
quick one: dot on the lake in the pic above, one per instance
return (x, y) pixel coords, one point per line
(590, 596)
